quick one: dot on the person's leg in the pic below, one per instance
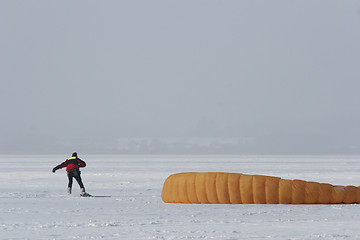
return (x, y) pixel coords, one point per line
(78, 179)
(70, 177)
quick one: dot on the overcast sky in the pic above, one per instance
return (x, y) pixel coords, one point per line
(284, 74)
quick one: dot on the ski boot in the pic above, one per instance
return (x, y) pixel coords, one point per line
(83, 193)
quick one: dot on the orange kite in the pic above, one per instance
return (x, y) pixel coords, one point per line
(236, 188)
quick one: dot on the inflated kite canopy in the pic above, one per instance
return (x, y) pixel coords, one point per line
(236, 188)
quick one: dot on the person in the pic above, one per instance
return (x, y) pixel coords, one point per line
(72, 168)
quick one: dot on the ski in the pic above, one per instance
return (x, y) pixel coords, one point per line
(89, 195)
(100, 196)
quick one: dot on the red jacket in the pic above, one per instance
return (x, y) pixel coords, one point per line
(71, 163)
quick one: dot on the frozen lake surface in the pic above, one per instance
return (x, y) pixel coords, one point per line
(34, 203)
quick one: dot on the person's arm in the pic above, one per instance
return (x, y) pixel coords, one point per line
(61, 165)
(81, 162)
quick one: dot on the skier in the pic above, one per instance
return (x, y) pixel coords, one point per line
(72, 167)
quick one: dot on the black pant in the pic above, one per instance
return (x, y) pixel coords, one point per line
(75, 173)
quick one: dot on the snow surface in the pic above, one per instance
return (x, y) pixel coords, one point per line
(34, 203)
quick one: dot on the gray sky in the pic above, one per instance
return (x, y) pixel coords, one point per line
(283, 77)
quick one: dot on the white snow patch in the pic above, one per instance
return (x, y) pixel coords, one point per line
(34, 203)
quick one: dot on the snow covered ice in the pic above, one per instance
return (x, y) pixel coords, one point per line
(34, 203)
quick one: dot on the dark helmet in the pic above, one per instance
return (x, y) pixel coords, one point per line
(74, 154)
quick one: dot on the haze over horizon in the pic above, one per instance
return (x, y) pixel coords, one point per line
(244, 77)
